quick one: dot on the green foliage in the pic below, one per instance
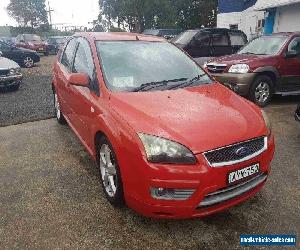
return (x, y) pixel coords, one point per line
(30, 13)
(137, 15)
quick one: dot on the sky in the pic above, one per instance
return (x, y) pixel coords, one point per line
(73, 12)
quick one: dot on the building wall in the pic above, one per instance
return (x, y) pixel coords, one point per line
(247, 21)
(287, 18)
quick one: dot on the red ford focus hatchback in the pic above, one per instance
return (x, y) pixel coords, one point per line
(170, 142)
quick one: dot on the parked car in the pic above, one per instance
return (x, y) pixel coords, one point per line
(10, 74)
(169, 141)
(32, 42)
(267, 65)
(55, 43)
(9, 40)
(210, 42)
(166, 33)
(297, 113)
(24, 57)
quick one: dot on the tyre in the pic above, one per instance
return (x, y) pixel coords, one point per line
(59, 116)
(262, 90)
(14, 87)
(28, 62)
(109, 172)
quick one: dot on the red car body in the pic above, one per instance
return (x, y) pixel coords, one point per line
(27, 41)
(202, 118)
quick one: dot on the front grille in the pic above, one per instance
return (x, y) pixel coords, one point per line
(236, 153)
(216, 68)
(231, 192)
(4, 72)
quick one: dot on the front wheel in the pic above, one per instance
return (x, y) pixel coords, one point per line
(110, 173)
(28, 62)
(59, 116)
(262, 90)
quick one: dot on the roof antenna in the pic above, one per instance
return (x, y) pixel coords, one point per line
(137, 38)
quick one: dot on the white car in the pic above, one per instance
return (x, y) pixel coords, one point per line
(10, 74)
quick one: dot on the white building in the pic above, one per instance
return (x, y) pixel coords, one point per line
(256, 17)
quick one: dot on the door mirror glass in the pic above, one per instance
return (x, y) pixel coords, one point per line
(79, 79)
(291, 54)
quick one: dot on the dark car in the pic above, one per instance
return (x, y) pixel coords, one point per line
(10, 74)
(267, 65)
(165, 33)
(297, 113)
(55, 43)
(9, 40)
(212, 42)
(24, 57)
(32, 42)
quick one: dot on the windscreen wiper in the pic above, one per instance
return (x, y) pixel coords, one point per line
(188, 83)
(151, 85)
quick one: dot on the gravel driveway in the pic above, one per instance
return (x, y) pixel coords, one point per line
(33, 101)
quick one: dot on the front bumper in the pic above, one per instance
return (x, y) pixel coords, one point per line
(241, 82)
(8, 81)
(202, 178)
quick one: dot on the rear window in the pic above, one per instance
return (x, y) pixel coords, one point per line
(185, 37)
(237, 39)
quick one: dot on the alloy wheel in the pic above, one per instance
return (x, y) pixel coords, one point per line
(57, 107)
(108, 170)
(28, 62)
(262, 92)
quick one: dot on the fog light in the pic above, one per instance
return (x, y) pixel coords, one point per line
(171, 194)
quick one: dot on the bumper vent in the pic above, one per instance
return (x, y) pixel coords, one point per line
(231, 192)
(236, 153)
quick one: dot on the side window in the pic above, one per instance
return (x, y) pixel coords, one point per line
(220, 39)
(68, 54)
(295, 45)
(83, 62)
(237, 39)
(203, 38)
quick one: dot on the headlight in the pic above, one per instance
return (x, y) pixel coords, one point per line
(267, 122)
(239, 68)
(160, 150)
(15, 71)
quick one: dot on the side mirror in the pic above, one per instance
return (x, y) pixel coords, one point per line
(291, 54)
(79, 79)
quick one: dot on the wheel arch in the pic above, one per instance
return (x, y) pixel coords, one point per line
(270, 71)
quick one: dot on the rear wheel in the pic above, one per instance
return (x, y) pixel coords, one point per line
(110, 173)
(59, 116)
(262, 90)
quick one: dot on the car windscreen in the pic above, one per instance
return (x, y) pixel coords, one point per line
(185, 37)
(29, 37)
(265, 45)
(128, 65)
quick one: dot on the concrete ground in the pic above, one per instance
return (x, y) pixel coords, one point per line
(50, 197)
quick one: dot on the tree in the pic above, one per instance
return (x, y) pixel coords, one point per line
(28, 12)
(138, 15)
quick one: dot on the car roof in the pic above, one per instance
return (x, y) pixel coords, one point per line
(119, 36)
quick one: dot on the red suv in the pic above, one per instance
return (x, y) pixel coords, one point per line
(32, 42)
(267, 65)
(169, 141)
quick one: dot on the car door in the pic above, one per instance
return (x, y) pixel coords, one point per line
(200, 45)
(220, 44)
(64, 69)
(83, 98)
(290, 68)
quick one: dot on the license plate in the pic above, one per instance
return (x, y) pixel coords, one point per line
(41, 49)
(243, 173)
